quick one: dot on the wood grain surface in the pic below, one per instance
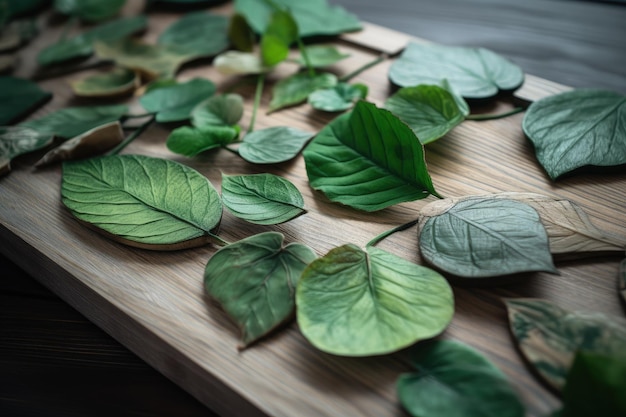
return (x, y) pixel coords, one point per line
(154, 302)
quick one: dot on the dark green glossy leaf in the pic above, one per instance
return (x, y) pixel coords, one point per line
(474, 73)
(296, 88)
(255, 279)
(240, 34)
(199, 34)
(89, 10)
(454, 380)
(239, 63)
(18, 140)
(142, 201)
(116, 82)
(273, 145)
(262, 198)
(550, 336)
(72, 121)
(19, 97)
(190, 141)
(219, 110)
(314, 17)
(339, 98)
(357, 303)
(578, 128)
(368, 159)
(320, 56)
(429, 110)
(173, 103)
(279, 34)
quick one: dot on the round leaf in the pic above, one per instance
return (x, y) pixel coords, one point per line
(339, 98)
(173, 103)
(18, 140)
(191, 141)
(262, 198)
(355, 303)
(119, 81)
(142, 201)
(199, 34)
(273, 145)
(255, 279)
(577, 128)
(296, 88)
(222, 109)
(18, 97)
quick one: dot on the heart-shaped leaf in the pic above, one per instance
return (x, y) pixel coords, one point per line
(455, 380)
(474, 73)
(339, 98)
(273, 145)
(199, 34)
(17, 140)
(219, 110)
(190, 141)
(279, 34)
(173, 103)
(549, 336)
(119, 81)
(142, 201)
(89, 10)
(368, 159)
(577, 128)
(262, 198)
(320, 56)
(255, 279)
(239, 63)
(19, 97)
(296, 88)
(357, 303)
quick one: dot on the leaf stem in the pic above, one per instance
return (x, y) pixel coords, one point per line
(388, 233)
(482, 117)
(219, 239)
(367, 66)
(257, 101)
(132, 137)
(305, 56)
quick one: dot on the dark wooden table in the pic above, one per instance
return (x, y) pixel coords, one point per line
(55, 362)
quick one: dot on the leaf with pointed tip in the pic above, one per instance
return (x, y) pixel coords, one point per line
(18, 97)
(18, 140)
(239, 63)
(339, 98)
(89, 10)
(261, 198)
(255, 279)
(173, 103)
(190, 141)
(273, 145)
(219, 110)
(368, 159)
(119, 81)
(357, 303)
(199, 34)
(549, 336)
(296, 88)
(321, 56)
(142, 201)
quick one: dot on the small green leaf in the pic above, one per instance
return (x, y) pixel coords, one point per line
(72, 121)
(321, 56)
(199, 34)
(454, 380)
(255, 279)
(296, 88)
(485, 237)
(190, 141)
(19, 97)
(239, 63)
(17, 140)
(241, 34)
(368, 159)
(339, 98)
(474, 73)
(173, 103)
(118, 81)
(219, 110)
(550, 336)
(89, 10)
(576, 129)
(357, 303)
(262, 198)
(429, 110)
(273, 145)
(279, 34)
(141, 201)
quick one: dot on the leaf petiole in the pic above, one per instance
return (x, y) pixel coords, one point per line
(388, 233)
(305, 56)
(483, 117)
(132, 136)
(218, 239)
(367, 66)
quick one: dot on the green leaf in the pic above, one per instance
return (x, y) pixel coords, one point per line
(199, 34)
(279, 34)
(485, 237)
(429, 110)
(577, 128)
(273, 145)
(339, 98)
(23, 7)
(189, 2)
(190, 141)
(173, 103)
(89, 10)
(141, 201)
(220, 110)
(313, 17)
(72, 121)
(240, 34)
(262, 198)
(454, 380)
(296, 88)
(255, 279)
(357, 303)
(474, 73)
(17, 140)
(368, 159)
(239, 63)
(118, 81)
(550, 336)
(19, 97)
(321, 56)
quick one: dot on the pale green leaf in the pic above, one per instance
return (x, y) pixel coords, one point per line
(118, 81)
(296, 88)
(219, 110)
(273, 145)
(173, 103)
(239, 63)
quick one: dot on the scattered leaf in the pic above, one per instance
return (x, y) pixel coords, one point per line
(485, 237)
(239, 63)
(197, 34)
(173, 103)
(18, 97)
(321, 56)
(89, 10)
(262, 198)
(255, 279)
(218, 110)
(474, 73)
(368, 159)
(577, 128)
(18, 140)
(296, 88)
(338, 98)
(240, 34)
(273, 145)
(280, 33)
(91, 143)
(357, 303)
(550, 336)
(119, 81)
(453, 379)
(142, 201)
(190, 141)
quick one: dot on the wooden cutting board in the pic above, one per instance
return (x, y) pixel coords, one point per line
(154, 302)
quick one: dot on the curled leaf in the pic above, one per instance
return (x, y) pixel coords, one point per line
(18, 140)
(117, 82)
